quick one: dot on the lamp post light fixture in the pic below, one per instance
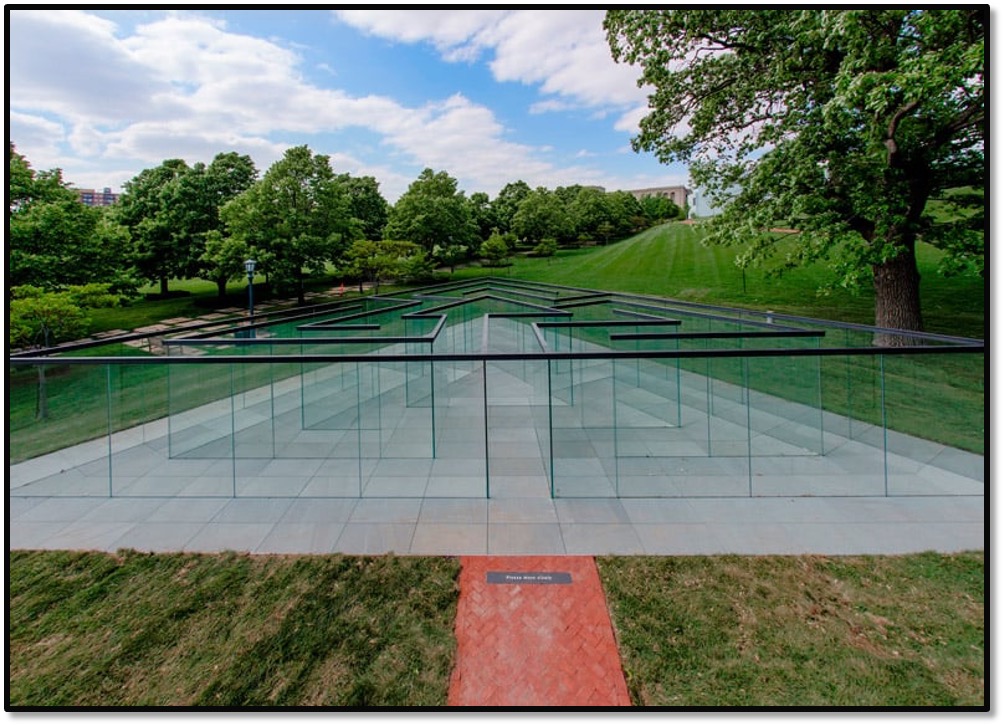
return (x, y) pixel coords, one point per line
(249, 266)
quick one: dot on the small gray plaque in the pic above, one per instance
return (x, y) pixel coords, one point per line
(529, 578)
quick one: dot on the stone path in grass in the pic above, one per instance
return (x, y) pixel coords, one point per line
(534, 631)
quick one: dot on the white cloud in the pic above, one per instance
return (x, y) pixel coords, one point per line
(564, 52)
(552, 104)
(456, 34)
(88, 96)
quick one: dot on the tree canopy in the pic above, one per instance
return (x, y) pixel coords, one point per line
(297, 218)
(159, 253)
(366, 203)
(840, 124)
(432, 211)
(53, 239)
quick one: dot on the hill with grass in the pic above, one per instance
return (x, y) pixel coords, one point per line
(670, 260)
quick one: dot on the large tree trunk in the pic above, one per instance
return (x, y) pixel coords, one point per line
(897, 297)
(221, 287)
(301, 299)
(163, 286)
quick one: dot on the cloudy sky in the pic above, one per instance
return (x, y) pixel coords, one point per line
(489, 96)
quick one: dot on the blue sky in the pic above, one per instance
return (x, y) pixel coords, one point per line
(490, 96)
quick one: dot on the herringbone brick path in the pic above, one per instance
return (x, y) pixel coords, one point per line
(535, 644)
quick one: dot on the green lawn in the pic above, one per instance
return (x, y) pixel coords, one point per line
(228, 630)
(88, 629)
(670, 261)
(800, 631)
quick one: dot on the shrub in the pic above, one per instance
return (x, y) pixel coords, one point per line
(547, 248)
(495, 251)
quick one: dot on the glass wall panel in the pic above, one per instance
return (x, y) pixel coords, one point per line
(460, 466)
(936, 424)
(137, 409)
(583, 423)
(58, 418)
(200, 414)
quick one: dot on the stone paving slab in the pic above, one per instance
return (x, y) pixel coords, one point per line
(534, 526)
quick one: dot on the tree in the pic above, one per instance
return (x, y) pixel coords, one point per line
(191, 204)
(145, 208)
(432, 212)
(53, 239)
(374, 260)
(495, 250)
(542, 214)
(298, 217)
(39, 318)
(589, 209)
(843, 124)
(659, 209)
(449, 255)
(366, 204)
(483, 215)
(625, 213)
(222, 260)
(507, 203)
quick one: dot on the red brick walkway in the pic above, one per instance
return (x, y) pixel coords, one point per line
(534, 644)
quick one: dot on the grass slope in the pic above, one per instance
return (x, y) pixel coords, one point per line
(670, 260)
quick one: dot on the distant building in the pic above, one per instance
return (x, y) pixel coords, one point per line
(94, 198)
(678, 195)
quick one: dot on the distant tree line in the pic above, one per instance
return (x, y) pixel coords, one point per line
(176, 221)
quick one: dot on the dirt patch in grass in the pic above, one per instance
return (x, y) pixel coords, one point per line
(800, 631)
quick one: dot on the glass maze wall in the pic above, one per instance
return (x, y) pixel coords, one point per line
(501, 390)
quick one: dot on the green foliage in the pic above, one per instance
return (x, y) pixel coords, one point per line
(158, 253)
(432, 212)
(366, 204)
(53, 239)
(659, 209)
(841, 123)
(547, 248)
(495, 251)
(172, 209)
(450, 255)
(506, 204)
(375, 261)
(415, 268)
(38, 318)
(297, 218)
(483, 215)
(93, 295)
(541, 214)
(222, 260)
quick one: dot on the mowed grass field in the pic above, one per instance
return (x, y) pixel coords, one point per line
(670, 260)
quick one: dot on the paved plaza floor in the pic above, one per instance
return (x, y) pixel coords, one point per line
(150, 501)
(518, 525)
